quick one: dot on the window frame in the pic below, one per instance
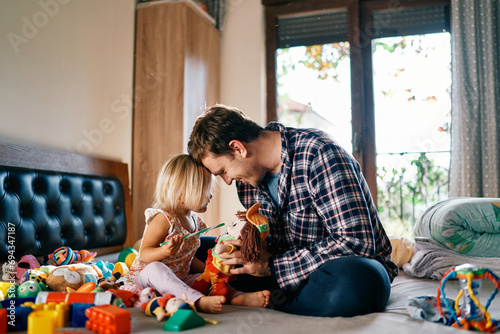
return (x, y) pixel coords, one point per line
(360, 35)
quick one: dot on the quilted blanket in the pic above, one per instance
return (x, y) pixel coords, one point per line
(468, 226)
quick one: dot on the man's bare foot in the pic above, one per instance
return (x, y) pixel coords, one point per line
(210, 304)
(254, 299)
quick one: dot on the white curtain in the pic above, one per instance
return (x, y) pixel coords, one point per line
(475, 129)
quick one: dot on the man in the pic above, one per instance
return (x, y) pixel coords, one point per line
(327, 251)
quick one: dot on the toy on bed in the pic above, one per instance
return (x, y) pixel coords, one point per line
(469, 314)
(251, 227)
(65, 255)
(69, 278)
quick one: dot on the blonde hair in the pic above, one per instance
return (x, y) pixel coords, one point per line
(181, 179)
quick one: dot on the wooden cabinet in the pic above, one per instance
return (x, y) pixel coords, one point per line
(177, 74)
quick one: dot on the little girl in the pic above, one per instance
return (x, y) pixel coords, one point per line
(183, 187)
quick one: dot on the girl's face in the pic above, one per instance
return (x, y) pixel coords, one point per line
(234, 227)
(204, 206)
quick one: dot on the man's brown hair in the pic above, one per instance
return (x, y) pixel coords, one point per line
(216, 127)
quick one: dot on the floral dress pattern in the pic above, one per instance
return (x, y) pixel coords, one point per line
(181, 261)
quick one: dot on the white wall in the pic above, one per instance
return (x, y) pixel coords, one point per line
(66, 75)
(242, 75)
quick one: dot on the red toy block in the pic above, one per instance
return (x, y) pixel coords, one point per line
(108, 319)
(3, 320)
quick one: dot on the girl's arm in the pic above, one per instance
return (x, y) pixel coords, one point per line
(155, 234)
(197, 266)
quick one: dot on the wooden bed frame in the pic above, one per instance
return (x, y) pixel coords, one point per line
(38, 158)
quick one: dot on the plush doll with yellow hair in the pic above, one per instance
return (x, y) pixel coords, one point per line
(251, 227)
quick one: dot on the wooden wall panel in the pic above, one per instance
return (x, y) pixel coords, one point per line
(177, 74)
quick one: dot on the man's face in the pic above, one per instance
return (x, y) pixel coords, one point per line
(231, 168)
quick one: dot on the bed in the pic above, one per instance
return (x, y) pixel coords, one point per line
(109, 233)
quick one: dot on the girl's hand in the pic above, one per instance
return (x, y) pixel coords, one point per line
(172, 246)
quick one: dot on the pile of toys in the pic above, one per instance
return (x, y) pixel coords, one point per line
(67, 289)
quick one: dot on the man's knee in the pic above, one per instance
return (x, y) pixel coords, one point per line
(351, 286)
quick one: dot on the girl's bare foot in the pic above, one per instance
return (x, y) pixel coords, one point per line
(210, 304)
(254, 299)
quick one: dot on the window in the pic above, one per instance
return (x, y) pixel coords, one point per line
(376, 75)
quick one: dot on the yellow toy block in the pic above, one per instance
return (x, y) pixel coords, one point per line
(4, 287)
(62, 311)
(42, 322)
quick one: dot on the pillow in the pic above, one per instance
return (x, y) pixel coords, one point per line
(403, 250)
(467, 225)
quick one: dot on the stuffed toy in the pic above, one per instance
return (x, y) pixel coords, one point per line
(33, 275)
(104, 269)
(65, 255)
(156, 307)
(9, 270)
(145, 296)
(69, 278)
(30, 289)
(251, 227)
(134, 291)
(25, 263)
(175, 303)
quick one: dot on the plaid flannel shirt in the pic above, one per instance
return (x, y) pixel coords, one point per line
(325, 208)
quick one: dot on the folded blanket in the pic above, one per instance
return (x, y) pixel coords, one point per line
(467, 225)
(432, 260)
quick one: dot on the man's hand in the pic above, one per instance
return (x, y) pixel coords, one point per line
(259, 268)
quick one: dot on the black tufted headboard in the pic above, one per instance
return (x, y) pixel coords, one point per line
(67, 200)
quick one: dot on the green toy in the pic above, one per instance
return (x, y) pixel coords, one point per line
(30, 289)
(182, 320)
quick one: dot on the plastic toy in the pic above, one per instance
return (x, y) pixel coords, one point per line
(108, 319)
(78, 317)
(4, 288)
(196, 233)
(251, 227)
(127, 256)
(3, 320)
(183, 320)
(15, 302)
(45, 320)
(60, 311)
(65, 255)
(121, 268)
(18, 320)
(469, 314)
(97, 298)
